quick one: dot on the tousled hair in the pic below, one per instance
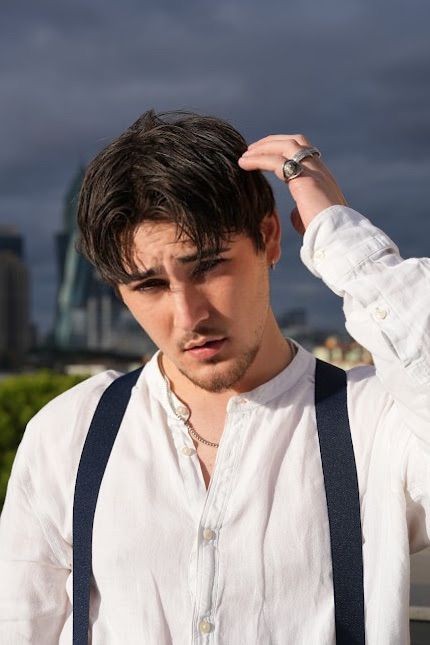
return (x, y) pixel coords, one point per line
(176, 167)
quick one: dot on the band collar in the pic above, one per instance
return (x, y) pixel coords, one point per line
(153, 378)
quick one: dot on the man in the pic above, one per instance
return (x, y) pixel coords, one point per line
(211, 522)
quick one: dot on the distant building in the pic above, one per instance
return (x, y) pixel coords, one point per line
(294, 324)
(11, 241)
(293, 318)
(344, 354)
(15, 327)
(333, 347)
(88, 313)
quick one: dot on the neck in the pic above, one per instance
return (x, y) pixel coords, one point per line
(274, 355)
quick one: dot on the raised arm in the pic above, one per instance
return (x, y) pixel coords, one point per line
(386, 298)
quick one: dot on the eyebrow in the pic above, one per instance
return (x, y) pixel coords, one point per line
(184, 259)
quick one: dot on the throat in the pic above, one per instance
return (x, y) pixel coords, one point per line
(208, 428)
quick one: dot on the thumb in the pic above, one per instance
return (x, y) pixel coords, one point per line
(296, 221)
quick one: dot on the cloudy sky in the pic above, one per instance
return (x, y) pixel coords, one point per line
(353, 75)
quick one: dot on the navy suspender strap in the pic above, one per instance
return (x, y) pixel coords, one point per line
(343, 502)
(340, 479)
(95, 454)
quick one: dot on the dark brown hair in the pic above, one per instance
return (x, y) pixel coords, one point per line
(177, 167)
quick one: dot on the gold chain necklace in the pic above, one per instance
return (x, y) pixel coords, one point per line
(185, 421)
(198, 437)
(178, 416)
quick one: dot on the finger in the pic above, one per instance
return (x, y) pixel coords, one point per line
(275, 162)
(299, 138)
(285, 147)
(263, 162)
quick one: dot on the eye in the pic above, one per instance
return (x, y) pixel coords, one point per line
(208, 265)
(200, 270)
(149, 286)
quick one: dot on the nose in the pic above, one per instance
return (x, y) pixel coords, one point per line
(191, 307)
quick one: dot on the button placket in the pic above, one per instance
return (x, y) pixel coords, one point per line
(205, 626)
(208, 534)
(188, 451)
(183, 412)
(212, 516)
(188, 467)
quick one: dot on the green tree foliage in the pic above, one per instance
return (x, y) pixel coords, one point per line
(20, 398)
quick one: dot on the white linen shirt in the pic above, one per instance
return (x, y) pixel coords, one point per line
(248, 560)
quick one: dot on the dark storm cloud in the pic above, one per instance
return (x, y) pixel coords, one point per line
(352, 75)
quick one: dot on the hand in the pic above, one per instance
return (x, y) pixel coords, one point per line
(313, 191)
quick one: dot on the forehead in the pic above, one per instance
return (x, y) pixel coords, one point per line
(157, 247)
(154, 240)
(156, 235)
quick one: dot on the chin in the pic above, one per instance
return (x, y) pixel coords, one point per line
(217, 375)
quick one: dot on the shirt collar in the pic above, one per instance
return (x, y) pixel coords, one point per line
(303, 363)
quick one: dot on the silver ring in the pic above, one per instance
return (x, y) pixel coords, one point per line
(291, 169)
(306, 152)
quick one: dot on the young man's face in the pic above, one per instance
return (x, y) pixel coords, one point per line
(221, 304)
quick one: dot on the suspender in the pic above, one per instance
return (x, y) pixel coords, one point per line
(95, 454)
(343, 502)
(341, 486)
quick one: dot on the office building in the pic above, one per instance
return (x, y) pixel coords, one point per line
(15, 329)
(88, 313)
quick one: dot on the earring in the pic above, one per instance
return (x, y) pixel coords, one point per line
(273, 264)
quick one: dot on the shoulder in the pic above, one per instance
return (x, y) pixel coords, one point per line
(81, 397)
(362, 377)
(372, 412)
(54, 437)
(368, 401)
(365, 390)
(47, 459)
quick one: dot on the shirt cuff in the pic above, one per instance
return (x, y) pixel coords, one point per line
(337, 241)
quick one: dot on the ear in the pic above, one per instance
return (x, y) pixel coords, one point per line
(270, 228)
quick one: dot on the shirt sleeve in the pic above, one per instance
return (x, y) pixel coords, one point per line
(386, 302)
(417, 493)
(33, 573)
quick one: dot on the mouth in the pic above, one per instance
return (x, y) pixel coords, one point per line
(207, 349)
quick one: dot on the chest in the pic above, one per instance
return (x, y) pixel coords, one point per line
(207, 459)
(207, 455)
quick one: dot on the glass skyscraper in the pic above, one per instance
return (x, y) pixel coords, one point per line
(89, 315)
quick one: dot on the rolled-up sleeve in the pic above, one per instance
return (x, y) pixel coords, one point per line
(386, 301)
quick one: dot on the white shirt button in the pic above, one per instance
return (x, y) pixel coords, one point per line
(205, 626)
(186, 450)
(241, 400)
(379, 313)
(319, 255)
(182, 411)
(208, 534)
